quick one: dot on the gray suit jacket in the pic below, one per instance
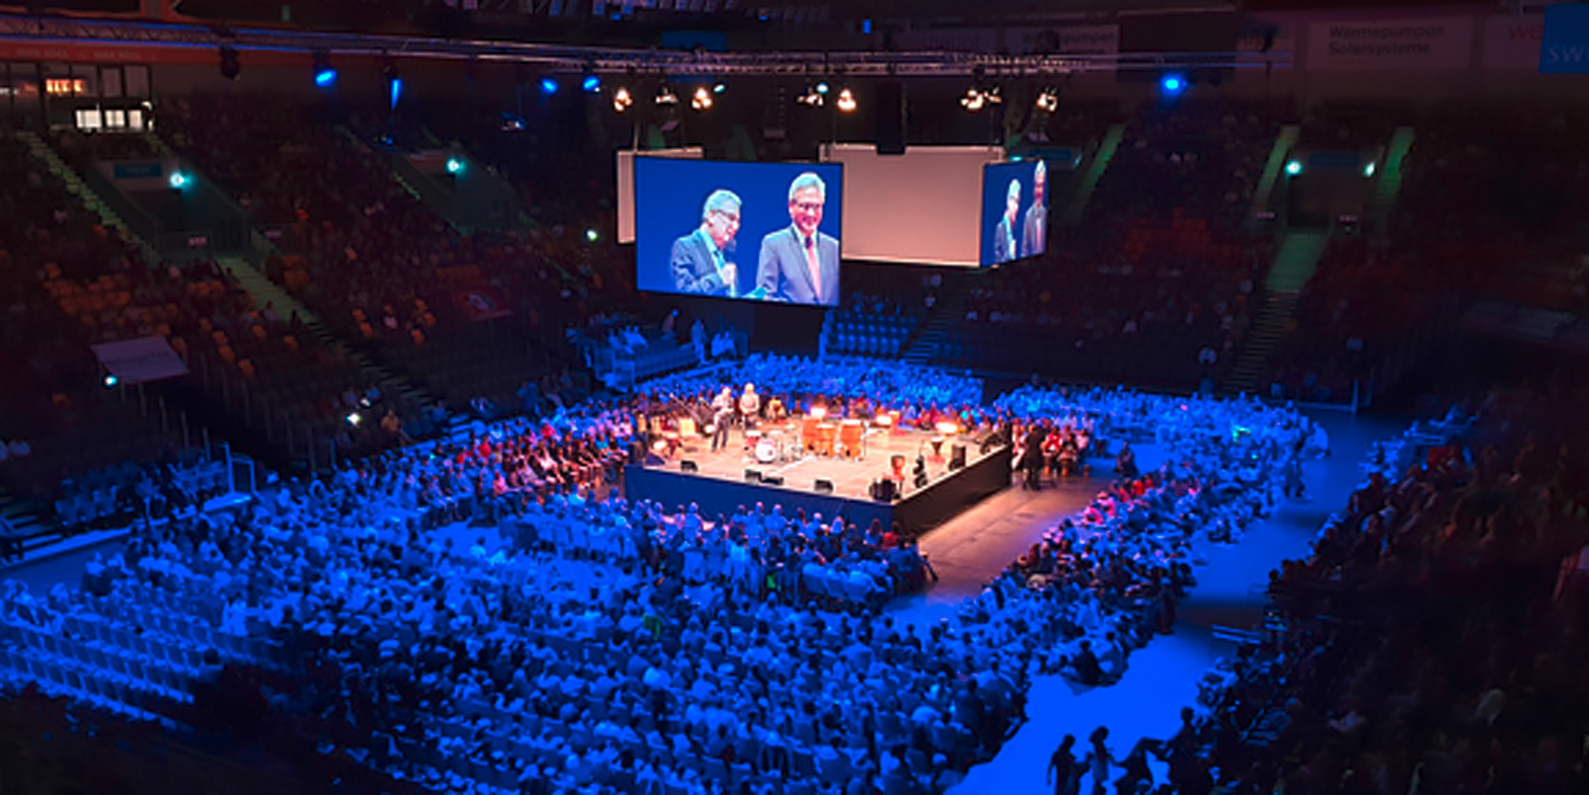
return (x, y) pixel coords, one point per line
(1034, 234)
(694, 268)
(1004, 242)
(784, 274)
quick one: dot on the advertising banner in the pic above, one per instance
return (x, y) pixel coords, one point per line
(1432, 44)
(1511, 43)
(1564, 48)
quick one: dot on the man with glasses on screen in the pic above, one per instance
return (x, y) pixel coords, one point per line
(800, 264)
(1004, 235)
(1034, 229)
(700, 259)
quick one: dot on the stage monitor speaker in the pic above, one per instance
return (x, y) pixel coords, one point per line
(890, 118)
(884, 490)
(823, 486)
(957, 457)
(752, 476)
(772, 480)
(689, 466)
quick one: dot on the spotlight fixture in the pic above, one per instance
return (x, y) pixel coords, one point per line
(111, 380)
(1294, 167)
(846, 101)
(812, 97)
(177, 180)
(665, 96)
(992, 96)
(1048, 100)
(591, 83)
(822, 88)
(455, 165)
(719, 87)
(621, 99)
(324, 75)
(548, 85)
(973, 100)
(1368, 170)
(702, 99)
(1172, 84)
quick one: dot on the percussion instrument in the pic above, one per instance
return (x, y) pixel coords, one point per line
(827, 433)
(752, 438)
(687, 426)
(808, 432)
(766, 451)
(850, 433)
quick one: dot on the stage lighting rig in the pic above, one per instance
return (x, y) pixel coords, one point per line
(846, 101)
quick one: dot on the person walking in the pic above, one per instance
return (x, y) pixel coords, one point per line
(1099, 760)
(1064, 775)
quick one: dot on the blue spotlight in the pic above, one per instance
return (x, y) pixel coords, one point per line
(454, 165)
(591, 84)
(548, 86)
(325, 78)
(822, 87)
(1172, 84)
(1294, 167)
(397, 90)
(177, 180)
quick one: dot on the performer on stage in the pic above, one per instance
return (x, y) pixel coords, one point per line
(749, 405)
(722, 417)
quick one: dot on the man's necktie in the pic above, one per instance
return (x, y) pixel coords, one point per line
(814, 265)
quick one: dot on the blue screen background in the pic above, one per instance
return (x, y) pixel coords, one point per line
(995, 181)
(669, 194)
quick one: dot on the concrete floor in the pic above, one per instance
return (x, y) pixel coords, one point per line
(1163, 676)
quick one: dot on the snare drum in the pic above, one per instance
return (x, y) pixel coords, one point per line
(751, 439)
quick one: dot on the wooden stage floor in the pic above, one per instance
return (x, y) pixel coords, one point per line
(851, 477)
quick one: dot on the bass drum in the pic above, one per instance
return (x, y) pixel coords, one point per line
(766, 451)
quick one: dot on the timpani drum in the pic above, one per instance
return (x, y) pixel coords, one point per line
(827, 434)
(850, 433)
(751, 439)
(809, 436)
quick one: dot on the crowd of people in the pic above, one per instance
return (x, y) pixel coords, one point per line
(485, 612)
(1424, 644)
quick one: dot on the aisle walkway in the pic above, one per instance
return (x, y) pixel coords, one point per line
(1163, 677)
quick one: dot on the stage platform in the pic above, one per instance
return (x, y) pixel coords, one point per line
(726, 479)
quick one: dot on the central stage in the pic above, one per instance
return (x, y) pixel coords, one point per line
(727, 479)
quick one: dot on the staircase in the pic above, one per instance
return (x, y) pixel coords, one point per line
(1077, 206)
(1294, 265)
(74, 184)
(263, 291)
(922, 347)
(1390, 175)
(23, 518)
(408, 181)
(1271, 170)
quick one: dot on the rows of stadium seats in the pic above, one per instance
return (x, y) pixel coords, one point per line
(111, 496)
(871, 335)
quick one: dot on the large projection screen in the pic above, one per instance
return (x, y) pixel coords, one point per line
(751, 231)
(923, 206)
(626, 184)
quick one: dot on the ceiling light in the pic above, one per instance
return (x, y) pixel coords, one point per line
(846, 101)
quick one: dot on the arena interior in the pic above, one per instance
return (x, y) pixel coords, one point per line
(794, 397)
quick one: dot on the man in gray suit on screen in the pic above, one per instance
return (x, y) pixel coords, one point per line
(1004, 241)
(700, 259)
(800, 264)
